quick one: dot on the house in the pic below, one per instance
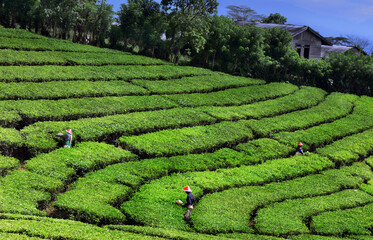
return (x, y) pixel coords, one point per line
(307, 42)
(325, 50)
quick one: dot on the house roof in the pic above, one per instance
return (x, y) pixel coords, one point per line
(294, 30)
(335, 48)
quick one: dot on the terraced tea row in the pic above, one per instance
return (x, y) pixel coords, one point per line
(18, 227)
(25, 58)
(86, 88)
(233, 210)
(69, 109)
(172, 142)
(293, 213)
(47, 44)
(358, 121)
(306, 97)
(17, 33)
(67, 73)
(134, 174)
(356, 221)
(336, 106)
(154, 203)
(31, 190)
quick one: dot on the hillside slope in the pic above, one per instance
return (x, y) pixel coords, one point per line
(144, 129)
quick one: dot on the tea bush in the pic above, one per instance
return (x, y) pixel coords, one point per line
(40, 137)
(187, 140)
(236, 96)
(233, 210)
(69, 109)
(76, 89)
(154, 203)
(14, 57)
(294, 212)
(304, 98)
(197, 84)
(7, 163)
(47, 174)
(337, 105)
(357, 221)
(104, 73)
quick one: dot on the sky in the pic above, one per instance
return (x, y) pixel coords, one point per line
(331, 18)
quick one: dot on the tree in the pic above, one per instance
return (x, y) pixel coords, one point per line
(275, 18)
(339, 41)
(361, 43)
(188, 24)
(141, 23)
(243, 13)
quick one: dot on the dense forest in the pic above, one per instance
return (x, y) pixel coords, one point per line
(190, 32)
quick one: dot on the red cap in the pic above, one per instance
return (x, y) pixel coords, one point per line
(69, 131)
(300, 144)
(187, 189)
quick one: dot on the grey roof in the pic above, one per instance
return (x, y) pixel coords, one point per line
(335, 48)
(294, 30)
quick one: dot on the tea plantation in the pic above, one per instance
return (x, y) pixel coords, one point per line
(144, 129)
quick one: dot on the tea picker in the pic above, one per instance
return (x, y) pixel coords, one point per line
(68, 138)
(188, 203)
(299, 150)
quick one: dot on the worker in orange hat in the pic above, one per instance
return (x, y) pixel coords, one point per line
(68, 137)
(299, 150)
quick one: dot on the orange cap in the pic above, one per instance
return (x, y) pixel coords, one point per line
(187, 189)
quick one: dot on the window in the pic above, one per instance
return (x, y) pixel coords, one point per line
(299, 49)
(306, 53)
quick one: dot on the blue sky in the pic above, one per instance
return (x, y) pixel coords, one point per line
(328, 17)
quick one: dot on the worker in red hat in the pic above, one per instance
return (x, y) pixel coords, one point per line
(299, 150)
(189, 202)
(68, 137)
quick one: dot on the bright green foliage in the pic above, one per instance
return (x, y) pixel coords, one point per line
(351, 72)
(69, 109)
(95, 186)
(10, 140)
(24, 191)
(235, 96)
(233, 209)
(263, 149)
(293, 212)
(360, 120)
(245, 236)
(7, 163)
(50, 228)
(12, 57)
(211, 82)
(65, 73)
(305, 98)
(154, 203)
(68, 89)
(92, 201)
(166, 233)
(51, 44)
(17, 33)
(65, 163)
(187, 140)
(336, 105)
(315, 237)
(349, 148)
(41, 136)
(357, 221)
(11, 236)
